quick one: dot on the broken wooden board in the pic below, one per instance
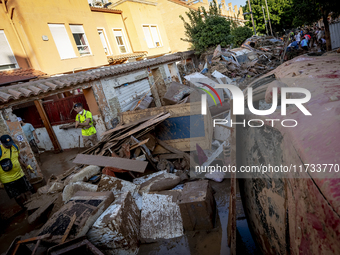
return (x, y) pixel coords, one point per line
(123, 163)
(168, 147)
(170, 156)
(42, 208)
(175, 130)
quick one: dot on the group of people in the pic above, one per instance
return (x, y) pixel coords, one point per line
(307, 38)
(12, 176)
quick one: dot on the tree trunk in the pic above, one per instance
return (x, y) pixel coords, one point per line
(327, 34)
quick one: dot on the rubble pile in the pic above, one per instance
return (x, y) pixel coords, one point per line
(113, 207)
(135, 185)
(241, 62)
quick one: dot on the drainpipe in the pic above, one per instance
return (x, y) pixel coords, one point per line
(10, 16)
(127, 32)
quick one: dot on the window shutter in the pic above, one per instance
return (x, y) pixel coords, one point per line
(117, 33)
(77, 29)
(6, 54)
(148, 37)
(155, 36)
(62, 41)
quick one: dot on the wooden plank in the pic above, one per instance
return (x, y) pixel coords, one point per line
(176, 151)
(143, 126)
(170, 156)
(47, 124)
(67, 231)
(41, 210)
(215, 154)
(176, 111)
(139, 144)
(231, 229)
(136, 122)
(36, 247)
(33, 239)
(123, 163)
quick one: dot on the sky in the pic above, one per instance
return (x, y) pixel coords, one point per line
(237, 2)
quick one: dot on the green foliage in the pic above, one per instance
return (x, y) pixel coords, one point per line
(287, 14)
(240, 34)
(281, 15)
(207, 29)
(310, 11)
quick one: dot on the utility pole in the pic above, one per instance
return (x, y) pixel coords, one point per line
(251, 13)
(270, 23)
(265, 22)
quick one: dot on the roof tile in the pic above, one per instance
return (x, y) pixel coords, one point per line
(16, 75)
(31, 88)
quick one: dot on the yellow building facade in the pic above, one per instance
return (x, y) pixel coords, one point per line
(171, 10)
(65, 36)
(146, 27)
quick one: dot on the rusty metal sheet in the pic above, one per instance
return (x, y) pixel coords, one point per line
(123, 163)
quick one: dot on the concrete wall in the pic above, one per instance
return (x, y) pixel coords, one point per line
(68, 138)
(139, 14)
(110, 21)
(174, 26)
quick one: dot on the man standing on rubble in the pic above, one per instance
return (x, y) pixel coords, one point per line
(12, 176)
(84, 120)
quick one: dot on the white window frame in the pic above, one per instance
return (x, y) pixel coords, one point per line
(106, 40)
(153, 40)
(10, 48)
(124, 40)
(68, 43)
(85, 39)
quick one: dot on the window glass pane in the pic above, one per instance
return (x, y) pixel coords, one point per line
(77, 39)
(103, 40)
(122, 49)
(80, 39)
(119, 40)
(148, 37)
(155, 36)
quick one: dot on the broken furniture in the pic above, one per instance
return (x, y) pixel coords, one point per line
(76, 246)
(185, 126)
(87, 206)
(19, 247)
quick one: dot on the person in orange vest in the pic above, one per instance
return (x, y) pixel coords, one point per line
(12, 176)
(84, 120)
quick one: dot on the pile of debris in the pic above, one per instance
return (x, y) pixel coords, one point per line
(239, 63)
(104, 203)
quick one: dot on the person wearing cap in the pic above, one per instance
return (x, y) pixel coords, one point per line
(84, 120)
(11, 174)
(30, 134)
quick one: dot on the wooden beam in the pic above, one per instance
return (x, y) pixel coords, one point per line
(170, 156)
(48, 126)
(231, 229)
(123, 163)
(67, 231)
(190, 159)
(139, 144)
